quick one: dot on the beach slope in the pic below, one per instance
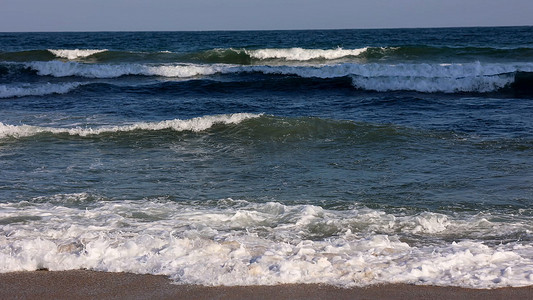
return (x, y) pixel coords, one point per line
(81, 284)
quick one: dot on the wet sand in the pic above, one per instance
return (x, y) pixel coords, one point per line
(81, 284)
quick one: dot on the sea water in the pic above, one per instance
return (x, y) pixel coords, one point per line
(345, 157)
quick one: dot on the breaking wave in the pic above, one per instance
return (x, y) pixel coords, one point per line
(447, 78)
(195, 125)
(64, 69)
(296, 54)
(300, 54)
(75, 53)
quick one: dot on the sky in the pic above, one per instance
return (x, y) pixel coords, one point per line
(178, 15)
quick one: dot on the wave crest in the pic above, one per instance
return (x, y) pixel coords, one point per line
(75, 53)
(301, 54)
(64, 69)
(195, 124)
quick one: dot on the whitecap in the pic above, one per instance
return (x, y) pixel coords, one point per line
(301, 54)
(75, 53)
(64, 69)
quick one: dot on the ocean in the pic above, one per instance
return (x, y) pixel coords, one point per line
(342, 157)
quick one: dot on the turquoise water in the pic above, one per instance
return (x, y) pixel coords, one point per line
(349, 157)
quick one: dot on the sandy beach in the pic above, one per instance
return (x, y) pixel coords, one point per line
(80, 284)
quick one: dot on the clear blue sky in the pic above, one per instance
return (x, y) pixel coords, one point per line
(133, 15)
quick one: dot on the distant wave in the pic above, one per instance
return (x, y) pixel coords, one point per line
(74, 53)
(245, 56)
(64, 69)
(363, 54)
(22, 90)
(478, 84)
(301, 54)
(195, 125)
(421, 77)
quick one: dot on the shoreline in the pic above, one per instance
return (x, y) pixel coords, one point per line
(83, 284)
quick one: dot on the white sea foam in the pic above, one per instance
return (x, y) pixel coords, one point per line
(480, 84)
(399, 70)
(195, 124)
(241, 243)
(75, 53)
(63, 69)
(468, 77)
(41, 89)
(300, 54)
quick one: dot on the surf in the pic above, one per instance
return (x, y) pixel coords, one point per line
(237, 242)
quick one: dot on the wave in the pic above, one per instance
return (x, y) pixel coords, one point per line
(75, 53)
(260, 129)
(478, 84)
(374, 70)
(364, 54)
(300, 54)
(22, 90)
(195, 125)
(447, 78)
(249, 56)
(243, 129)
(475, 77)
(236, 242)
(226, 55)
(245, 56)
(64, 69)
(415, 53)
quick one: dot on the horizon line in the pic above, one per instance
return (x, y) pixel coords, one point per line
(244, 30)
